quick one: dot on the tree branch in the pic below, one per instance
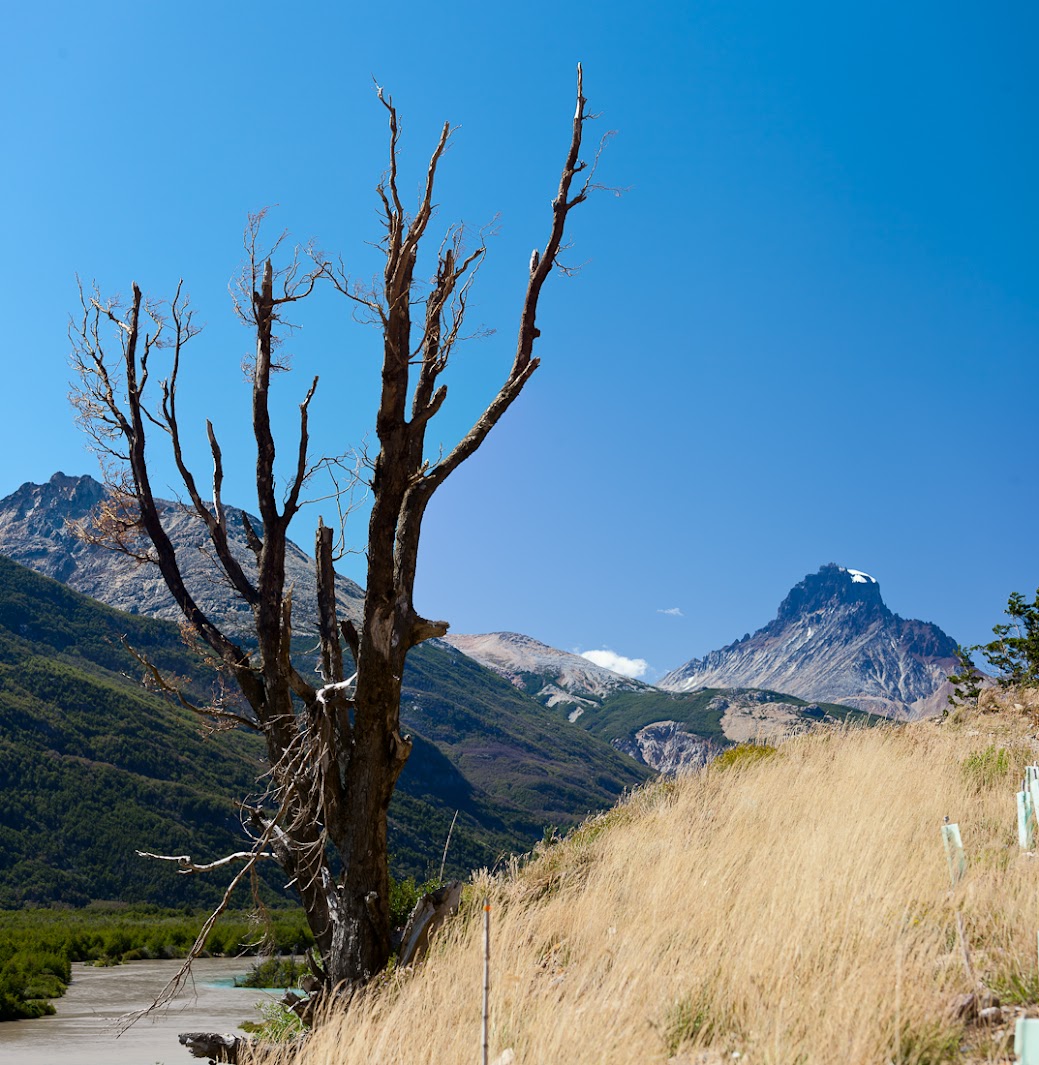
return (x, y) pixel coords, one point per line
(541, 265)
(158, 681)
(291, 504)
(188, 866)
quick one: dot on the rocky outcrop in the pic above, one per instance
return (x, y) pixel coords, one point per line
(35, 531)
(834, 640)
(668, 747)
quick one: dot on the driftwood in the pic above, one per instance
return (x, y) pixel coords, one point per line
(431, 911)
(213, 1046)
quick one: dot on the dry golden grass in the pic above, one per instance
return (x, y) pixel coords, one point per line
(793, 909)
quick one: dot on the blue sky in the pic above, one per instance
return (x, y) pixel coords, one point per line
(806, 332)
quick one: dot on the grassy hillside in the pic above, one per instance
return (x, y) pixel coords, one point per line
(791, 909)
(93, 767)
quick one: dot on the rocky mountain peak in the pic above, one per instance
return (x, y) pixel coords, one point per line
(554, 677)
(832, 587)
(834, 640)
(62, 496)
(78, 488)
(34, 531)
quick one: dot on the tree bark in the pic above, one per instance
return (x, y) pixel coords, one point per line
(335, 751)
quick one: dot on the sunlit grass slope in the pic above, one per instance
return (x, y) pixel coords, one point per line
(789, 909)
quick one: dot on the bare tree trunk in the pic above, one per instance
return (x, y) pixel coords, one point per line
(335, 751)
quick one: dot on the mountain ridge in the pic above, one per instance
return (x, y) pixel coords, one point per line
(668, 731)
(833, 638)
(36, 530)
(92, 763)
(552, 676)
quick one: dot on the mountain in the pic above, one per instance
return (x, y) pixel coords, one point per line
(555, 678)
(834, 639)
(515, 751)
(35, 531)
(668, 731)
(678, 731)
(93, 766)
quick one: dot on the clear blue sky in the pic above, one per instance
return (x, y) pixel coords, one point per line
(808, 332)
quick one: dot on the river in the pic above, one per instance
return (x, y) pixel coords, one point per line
(82, 1033)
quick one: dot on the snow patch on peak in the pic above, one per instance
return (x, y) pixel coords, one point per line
(567, 677)
(858, 577)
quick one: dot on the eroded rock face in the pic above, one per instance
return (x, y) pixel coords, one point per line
(834, 640)
(746, 716)
(34, 530)
(668, 747)
(746, 719)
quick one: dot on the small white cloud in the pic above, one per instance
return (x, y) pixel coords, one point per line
(626, 667)
(672, 612)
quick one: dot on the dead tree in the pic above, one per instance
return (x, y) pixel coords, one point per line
(335, 750)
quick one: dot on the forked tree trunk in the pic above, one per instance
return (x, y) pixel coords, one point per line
(335, 751)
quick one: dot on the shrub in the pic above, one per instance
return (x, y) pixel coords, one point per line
(274, 972)
(1013, 654)
(966, 681)
(742, 754)
(279, 1023)
(26, 979)
(931, 1044)
(404, 894)
(1017, 989)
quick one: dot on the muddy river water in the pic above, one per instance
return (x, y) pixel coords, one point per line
(82, 1032)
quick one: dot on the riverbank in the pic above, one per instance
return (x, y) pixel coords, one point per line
(37, 945)
(82, 1031)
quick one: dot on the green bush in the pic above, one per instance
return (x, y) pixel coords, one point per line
(966, 681)
(404, 894)
(1013, 654)
(1017, 989)
(274, 972)
(742, 754)
(279, 1023)
(27, 978)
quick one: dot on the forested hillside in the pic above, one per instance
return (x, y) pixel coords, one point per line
(93, 767)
